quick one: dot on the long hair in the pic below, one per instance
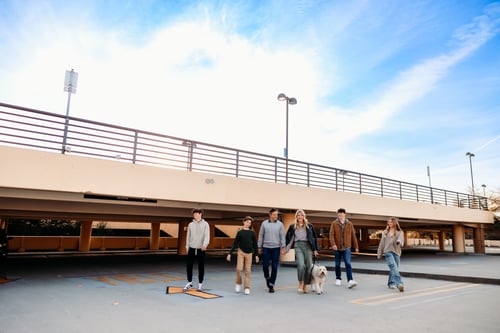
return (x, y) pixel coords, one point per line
(306, 222)
(395, 220)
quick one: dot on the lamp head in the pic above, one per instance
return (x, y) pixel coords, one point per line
(282, 97)
(292, 101)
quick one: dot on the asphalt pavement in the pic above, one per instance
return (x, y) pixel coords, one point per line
(126, 292)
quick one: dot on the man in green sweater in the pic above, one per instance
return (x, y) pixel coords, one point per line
(246, 243)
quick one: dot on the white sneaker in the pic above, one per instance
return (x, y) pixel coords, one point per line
(352, 284)
(200, 286)
(237, 288)
(247, 291)
(338, 282)
(188, 286)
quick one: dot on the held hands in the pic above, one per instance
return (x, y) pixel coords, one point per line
(257, 259)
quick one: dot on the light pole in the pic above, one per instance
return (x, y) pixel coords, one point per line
(289, 101)
(70, 82)
(470, 156)
(484, 190)
(430, 185)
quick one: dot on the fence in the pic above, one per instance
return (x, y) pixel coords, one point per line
(35, 129)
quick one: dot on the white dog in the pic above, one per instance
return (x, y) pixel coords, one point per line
(318, 277)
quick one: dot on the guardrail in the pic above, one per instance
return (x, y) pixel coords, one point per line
(36, 129)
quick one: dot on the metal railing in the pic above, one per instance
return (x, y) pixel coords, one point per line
(25, 127)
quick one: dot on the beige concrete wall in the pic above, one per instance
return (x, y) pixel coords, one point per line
(31, 169)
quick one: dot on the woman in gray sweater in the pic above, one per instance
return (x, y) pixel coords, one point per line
(390, 246)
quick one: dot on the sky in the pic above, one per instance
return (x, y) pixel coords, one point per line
(383, 87)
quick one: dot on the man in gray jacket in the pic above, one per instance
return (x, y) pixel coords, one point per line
(271, 244)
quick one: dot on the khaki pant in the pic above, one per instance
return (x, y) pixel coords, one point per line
(244, 260)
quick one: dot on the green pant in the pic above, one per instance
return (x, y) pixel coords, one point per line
(303, 259)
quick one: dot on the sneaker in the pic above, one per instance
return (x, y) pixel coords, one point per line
(338, 282)
(247, 291)
(237, 288)
(271, 289)
(200, 286)
(392, 286)
(352, 284)
(401, 287)
(188, 286)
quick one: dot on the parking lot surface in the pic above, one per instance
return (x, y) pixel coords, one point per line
(127, 293)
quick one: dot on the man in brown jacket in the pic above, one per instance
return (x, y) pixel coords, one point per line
(342, 239)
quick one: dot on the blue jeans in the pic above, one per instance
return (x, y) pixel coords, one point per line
(273, 255)
(392, 260)
(347, 261)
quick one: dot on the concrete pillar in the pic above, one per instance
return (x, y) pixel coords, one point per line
(211, 242)
(181, 247)
(288, 219)
(441, 240)
(364, 243)
(458, 238)
(85, 236)
(479, 239)
(154, 238)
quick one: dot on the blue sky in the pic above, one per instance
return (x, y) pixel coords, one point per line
(383, 87)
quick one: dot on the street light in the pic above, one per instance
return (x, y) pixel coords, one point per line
(70, 82)
(471, 155)
(484, 189)
(289, 101)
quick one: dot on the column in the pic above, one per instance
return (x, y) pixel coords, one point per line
(364, 242)
(154, 239)
(85, 236)
(479, 239)
(442, 240)
(181, 247)
(288, 219)
(458, 238)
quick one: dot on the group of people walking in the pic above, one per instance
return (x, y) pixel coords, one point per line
(272, 241)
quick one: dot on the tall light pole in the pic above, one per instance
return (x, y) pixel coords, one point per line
(470, 156)
(289, 101)
(430, 185)
(70, 82)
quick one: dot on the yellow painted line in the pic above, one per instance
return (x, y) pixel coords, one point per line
(136, 278)
(105, 280)
(386, 298)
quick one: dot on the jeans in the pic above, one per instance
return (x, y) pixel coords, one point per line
(392, 260)
(347, 260)
(273, 255)
(303, 258)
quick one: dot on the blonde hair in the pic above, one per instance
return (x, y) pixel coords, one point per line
(395, 220)
(306, 222)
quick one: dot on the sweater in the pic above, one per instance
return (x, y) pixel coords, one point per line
(390, 244)
(343, 237)
(271, 234)
(246, 241)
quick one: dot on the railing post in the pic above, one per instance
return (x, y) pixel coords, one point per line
(134, 155)
(308, 170)
(237, 162)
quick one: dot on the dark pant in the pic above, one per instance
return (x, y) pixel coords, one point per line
(346, 254)
(200, 255)
(273, 255)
